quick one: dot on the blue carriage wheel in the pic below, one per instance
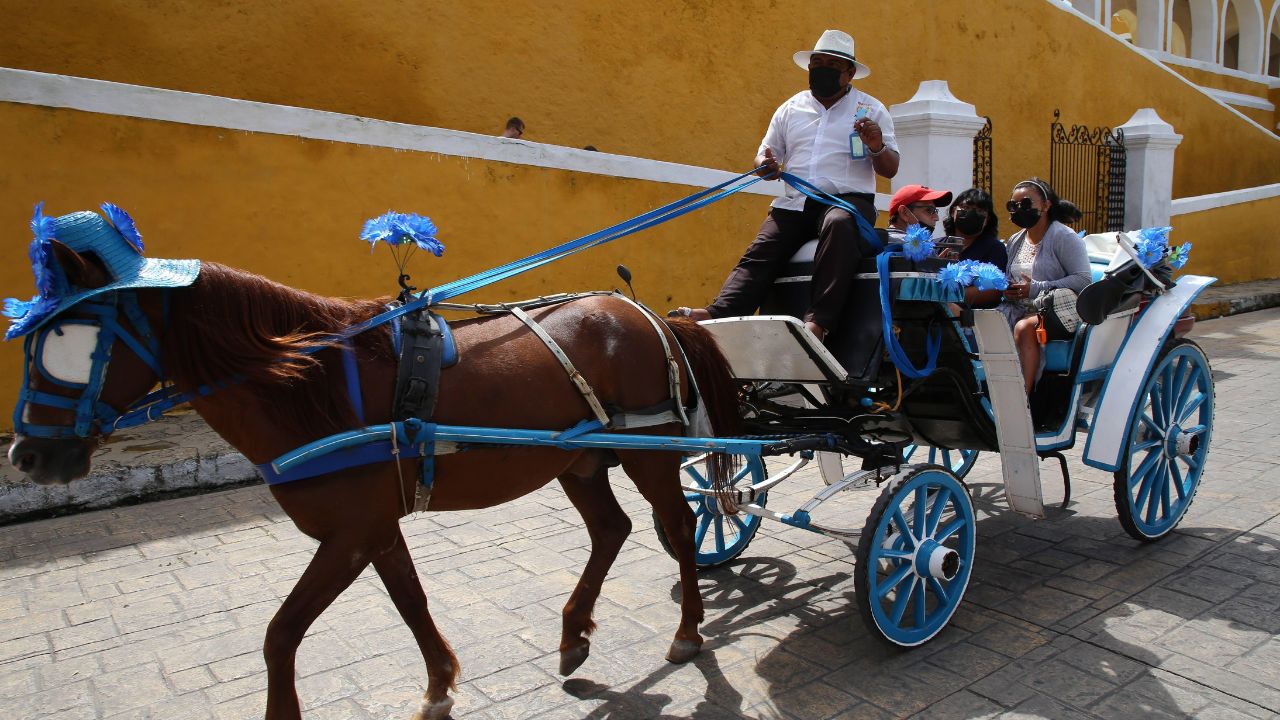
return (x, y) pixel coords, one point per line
(915, 556)
(718, 537)
(1168, 443)
(959, 462)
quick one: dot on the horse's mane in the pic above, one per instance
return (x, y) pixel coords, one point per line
(233, 325)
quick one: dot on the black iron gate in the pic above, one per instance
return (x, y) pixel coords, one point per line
(1087, 167)
(982, 158)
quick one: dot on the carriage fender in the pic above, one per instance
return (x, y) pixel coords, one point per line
(1113, 413)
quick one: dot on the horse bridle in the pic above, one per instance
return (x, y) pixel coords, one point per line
(92, 416)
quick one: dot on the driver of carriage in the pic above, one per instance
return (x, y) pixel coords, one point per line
(838, 138)
(915, 205)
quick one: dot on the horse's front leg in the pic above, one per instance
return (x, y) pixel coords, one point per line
(337, 563)
(657, 476)
(608, 526)
(401, 580)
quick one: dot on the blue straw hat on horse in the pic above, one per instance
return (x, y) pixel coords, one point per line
(114, 241)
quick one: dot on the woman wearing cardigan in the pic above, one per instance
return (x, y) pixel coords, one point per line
(1043, 256)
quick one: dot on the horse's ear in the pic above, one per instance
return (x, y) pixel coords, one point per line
(84, 272)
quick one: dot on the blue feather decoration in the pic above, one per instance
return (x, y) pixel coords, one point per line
(15, 308)
(1178, 256)
(42, 227)
(123, 224)
(917, 244)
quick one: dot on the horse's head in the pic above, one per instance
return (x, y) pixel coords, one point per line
(91, 345)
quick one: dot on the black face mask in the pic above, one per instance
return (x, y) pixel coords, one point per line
(1025, 217)
(824, 81)
(969, 223)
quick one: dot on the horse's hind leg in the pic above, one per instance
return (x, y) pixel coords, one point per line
(337, 563)
(401, 580)
(657, 476)
(608, 527)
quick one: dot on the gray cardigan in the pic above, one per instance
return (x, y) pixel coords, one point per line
(1062, 261)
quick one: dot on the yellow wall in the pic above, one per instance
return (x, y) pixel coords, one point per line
(1231, 243)
(689, 82)
(292, 209)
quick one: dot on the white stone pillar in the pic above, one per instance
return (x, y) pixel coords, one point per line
(935, 132)
(1148, 185)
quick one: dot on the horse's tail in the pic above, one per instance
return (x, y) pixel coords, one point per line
(716, 388)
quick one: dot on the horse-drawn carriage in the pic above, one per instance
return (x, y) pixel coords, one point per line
(902, 400)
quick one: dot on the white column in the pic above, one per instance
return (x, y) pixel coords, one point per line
(1148, 186)
(935, 133)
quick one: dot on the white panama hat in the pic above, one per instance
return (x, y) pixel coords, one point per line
(835, 43)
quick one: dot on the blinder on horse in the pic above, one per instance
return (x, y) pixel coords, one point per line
(74, 353)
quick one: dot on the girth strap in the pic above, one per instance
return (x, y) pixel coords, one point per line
(418, 379)
(673, 367)
(576, 377)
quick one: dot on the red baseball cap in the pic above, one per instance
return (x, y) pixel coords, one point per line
(909, 194)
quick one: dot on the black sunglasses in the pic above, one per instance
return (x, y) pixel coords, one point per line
(1016, 205)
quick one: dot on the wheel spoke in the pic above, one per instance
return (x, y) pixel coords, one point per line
(1165, 478)
(938, 590)
(701, 533)
(1145, 445)
(1190, 407)
(946, 459)
(746, 469)
(922, 609)
(921, 505)
(1178, 482)
(697, 477)
(1157, 406)
(1151, 424)
(742, 527)
(1192, 464)
(894, 554)
(692, 497)
(719, 531)
(894, 580)
(949, 530)
(1144, 468)
(1156, 487)
(900, 602)
(940, 501)
(1181, 374)
(903, 527)
(1191, 384)
(1145, 482)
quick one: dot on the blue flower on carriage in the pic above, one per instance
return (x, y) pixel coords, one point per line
(1152, 244)
(1178, 255)
(917, 244)
(395, 228)
(949, 276)
(989, 277)
(123, 224)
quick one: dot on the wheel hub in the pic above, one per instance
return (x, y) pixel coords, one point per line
(936, 561)
(1180, 442)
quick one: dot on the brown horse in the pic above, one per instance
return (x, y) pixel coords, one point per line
(231, 324)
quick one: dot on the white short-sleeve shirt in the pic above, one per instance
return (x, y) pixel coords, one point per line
(812, 142)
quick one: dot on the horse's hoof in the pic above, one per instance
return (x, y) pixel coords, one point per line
(682, 651)
(573, 658)
(438, 710)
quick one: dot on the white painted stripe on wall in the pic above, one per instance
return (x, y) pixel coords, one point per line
(1182, 206)
(1241, 99)
(111, 98)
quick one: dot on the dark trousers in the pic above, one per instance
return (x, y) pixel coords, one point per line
(840, 247)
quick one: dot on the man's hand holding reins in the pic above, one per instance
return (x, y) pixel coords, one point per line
(768, 165)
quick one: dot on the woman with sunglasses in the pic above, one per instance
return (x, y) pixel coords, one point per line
(1043, 256)
(973, 220)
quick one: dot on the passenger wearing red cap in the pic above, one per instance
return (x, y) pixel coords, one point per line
(915, 205)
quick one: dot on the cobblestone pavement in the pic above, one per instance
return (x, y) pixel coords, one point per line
(158, 610)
